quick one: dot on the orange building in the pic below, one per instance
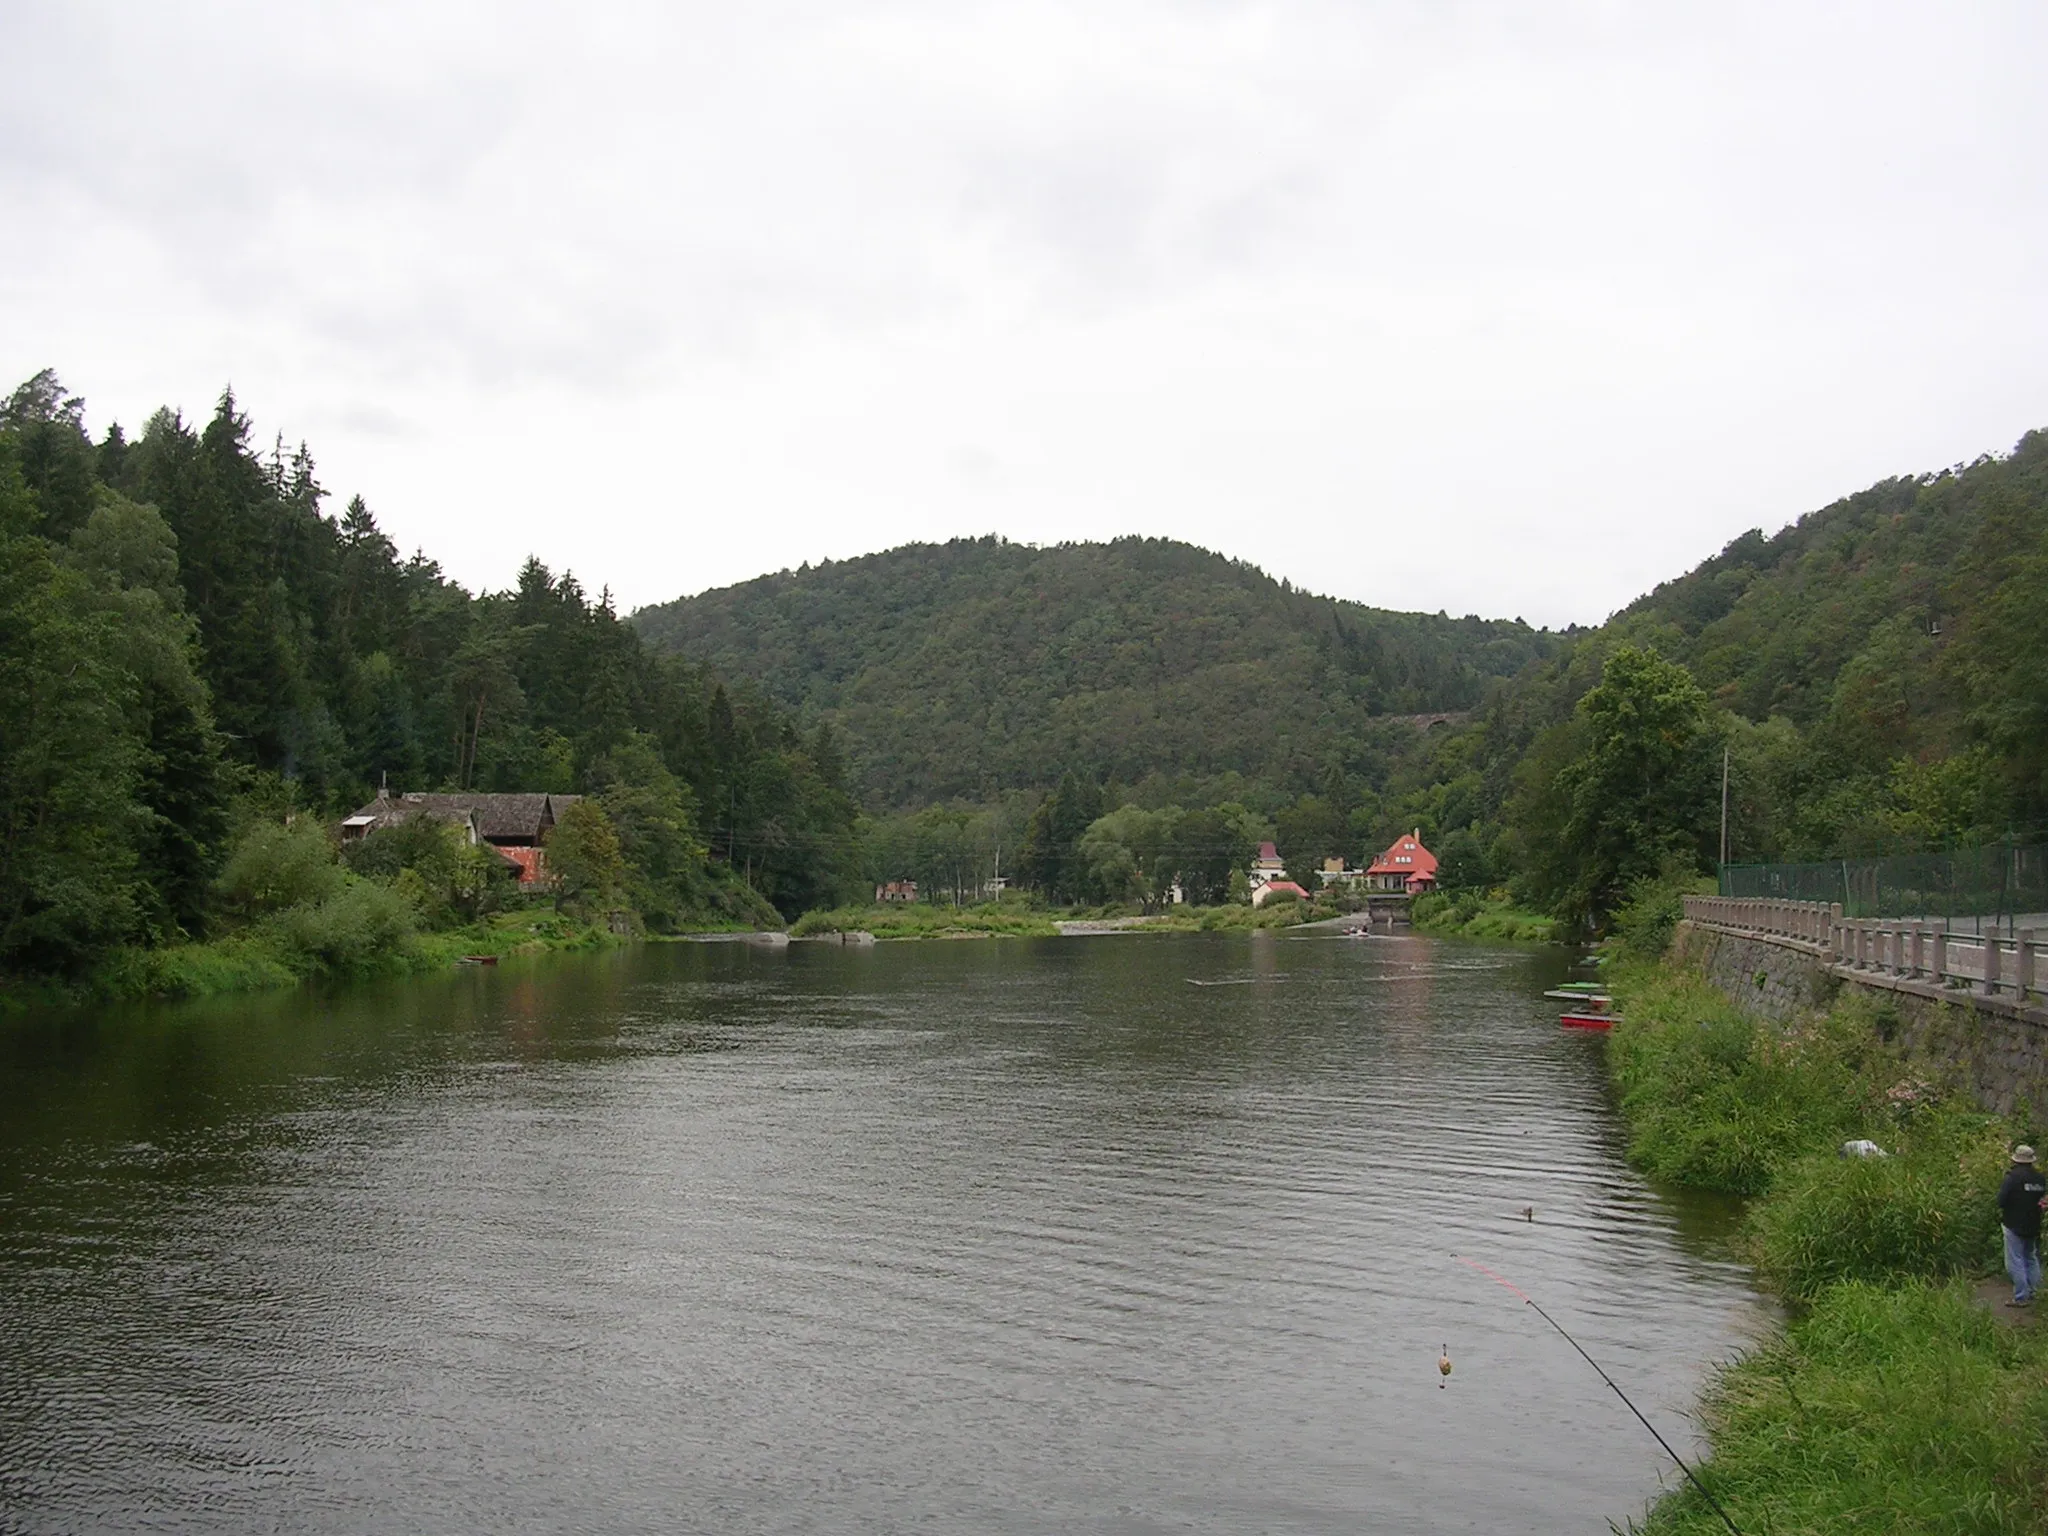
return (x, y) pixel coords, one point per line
(1405, 866)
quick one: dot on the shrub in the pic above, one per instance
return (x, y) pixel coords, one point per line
(275, 866)
(1644, 922)
(346, 933)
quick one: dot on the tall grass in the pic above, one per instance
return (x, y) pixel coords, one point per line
(1925, 1210)
(1882, 1411)
(1717, 1100)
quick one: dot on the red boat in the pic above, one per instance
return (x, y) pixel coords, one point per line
(1587, 1020)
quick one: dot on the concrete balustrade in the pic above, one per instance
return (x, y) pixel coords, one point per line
(1901, 949)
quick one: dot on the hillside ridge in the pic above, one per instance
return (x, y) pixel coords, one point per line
(978, 664)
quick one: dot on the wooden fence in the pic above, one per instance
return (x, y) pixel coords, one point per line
(1895, 948)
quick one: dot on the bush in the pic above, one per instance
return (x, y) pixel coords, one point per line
(1644, 922)
(347, 933)
(918, 920)
(275, 865)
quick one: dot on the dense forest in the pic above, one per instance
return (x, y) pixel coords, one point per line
(202, 667)
(961, 670)
(194, 651)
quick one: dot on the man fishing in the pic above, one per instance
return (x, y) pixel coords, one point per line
(2020, 1198)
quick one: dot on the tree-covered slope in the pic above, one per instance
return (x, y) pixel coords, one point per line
(963, 668)
(1880, 669)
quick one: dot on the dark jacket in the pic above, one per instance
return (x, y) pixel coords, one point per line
(2019, 1199)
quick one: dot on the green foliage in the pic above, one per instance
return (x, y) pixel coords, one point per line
(961, 669)
(278, 865)
(1881, 1412)
(348, 932)
(182, 622)
(924, 920)
(447, 879)
(1481, 915)
(1050, 861)
(1644, 923)
(1718, 1100)
(1639, 793)
(1925, 1211)
(584, 861)
(654, 815)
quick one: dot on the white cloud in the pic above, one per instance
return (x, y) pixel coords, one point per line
(1489, 307)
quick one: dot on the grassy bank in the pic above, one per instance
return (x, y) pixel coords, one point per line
(926, 920)
(921, 920)
(279, 956)
(1471, 915)
(1893, 1402)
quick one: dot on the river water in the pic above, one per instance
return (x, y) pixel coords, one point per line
(1122, 1234)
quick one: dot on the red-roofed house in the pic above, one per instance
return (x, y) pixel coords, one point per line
(1405, 866)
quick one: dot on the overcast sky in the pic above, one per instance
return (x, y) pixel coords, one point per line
(1498, 308)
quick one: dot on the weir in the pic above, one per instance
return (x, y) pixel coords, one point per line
(1971, 1003)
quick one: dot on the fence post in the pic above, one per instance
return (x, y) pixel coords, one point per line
(1941, 956)
(1833, 952)
(1991, 963)
(2023, 968)
(1919, 965)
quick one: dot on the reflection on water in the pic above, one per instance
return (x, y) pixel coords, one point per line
(1127, 1234)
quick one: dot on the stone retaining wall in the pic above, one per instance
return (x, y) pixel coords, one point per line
(1993, 1048)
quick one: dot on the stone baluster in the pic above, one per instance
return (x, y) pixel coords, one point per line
(1917, 960)
(2024, 980)
(1940, 967)
(1991, 958)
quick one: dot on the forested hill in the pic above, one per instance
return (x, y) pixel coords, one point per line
(1878, 673)
(962, 668)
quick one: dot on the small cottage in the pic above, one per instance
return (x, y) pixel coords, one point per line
(514, 826)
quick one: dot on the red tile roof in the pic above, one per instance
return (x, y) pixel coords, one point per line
(1407, 857)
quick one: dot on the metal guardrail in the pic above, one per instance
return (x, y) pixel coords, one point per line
(1902, 949)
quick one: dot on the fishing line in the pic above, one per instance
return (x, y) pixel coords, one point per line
(1691, 1476)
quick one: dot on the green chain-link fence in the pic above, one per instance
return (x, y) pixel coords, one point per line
(1978, 888)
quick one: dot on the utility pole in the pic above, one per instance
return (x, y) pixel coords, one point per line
(1724, 807)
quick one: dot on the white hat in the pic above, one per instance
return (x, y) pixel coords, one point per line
(2023, 1154)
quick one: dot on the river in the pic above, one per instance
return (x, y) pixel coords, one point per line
(1120, 1234)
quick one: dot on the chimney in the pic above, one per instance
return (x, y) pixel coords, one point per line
(384, 786)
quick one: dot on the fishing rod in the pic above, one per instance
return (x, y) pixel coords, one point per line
(1691, 1476)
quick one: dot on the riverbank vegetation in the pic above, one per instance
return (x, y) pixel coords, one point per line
(1894, 1402)
(200, 666)
(928, 920)
(1474, 914)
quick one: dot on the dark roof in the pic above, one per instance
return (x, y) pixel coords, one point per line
(500, 818)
